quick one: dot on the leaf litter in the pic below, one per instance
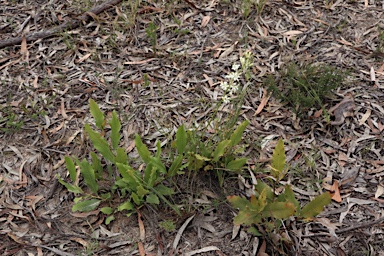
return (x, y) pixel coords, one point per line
(47, 84)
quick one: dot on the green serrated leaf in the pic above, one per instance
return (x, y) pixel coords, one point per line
(136, 198)
(142, 149)
(89, 176)
(289, 196)
(109, 219)
(150, 175)
(220, 149)
(97, 114)
(129, 175)
(127, 205)
(99, 143)
(115, 130)
(279, 210)
(316, 206)
(278, 159)
(238, 133)
(155, 161)
(236, 164)
(86, 206)
(70, 187)
(260, 186)
(107, 210)
(247, 218)
(259, 203)
(106, 196)
(176, 166)
(121, 156)
(181, 139)
(96, 164)
(254, 231)
(163, 190)
(71, 168)
(202, 158)
(152, 199)
(141, 192)
(158, 149)
(238, 202)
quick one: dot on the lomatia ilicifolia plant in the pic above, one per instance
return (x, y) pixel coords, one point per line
(271, 203)
(106, 180)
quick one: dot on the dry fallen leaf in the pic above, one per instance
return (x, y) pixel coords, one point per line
(263, 102)
(342, 110)
(335, 192)
(205, 21)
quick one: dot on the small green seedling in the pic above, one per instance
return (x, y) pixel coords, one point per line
(267, 208)
(133, 187)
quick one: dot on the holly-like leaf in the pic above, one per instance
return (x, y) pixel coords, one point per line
(109, 219)
(86, 206)
(99, 143)
(129, 175)
(181, 139)
(70, 187)
(121, 156)
(176, 165)
(279, 210)
(278, 159)
(236, 164)
(238, 133)
(107, 210)
(220, 149)
(97, 114)
(316, 206)
(142, 149)
(96, 164)
(127, 205)
(247, 218)
(89, 176)
(115, 130)
(163, 190)
(152, 199)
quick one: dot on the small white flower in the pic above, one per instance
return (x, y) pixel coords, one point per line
(235, 66)
(224, 86)
(234, 88)
(234, 76)
(225, 99)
